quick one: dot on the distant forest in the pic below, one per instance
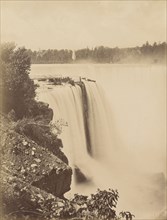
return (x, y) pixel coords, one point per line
(147, 53)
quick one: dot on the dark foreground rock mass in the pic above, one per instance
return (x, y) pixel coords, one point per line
(31, 171)
(41, 134)
(21, 198)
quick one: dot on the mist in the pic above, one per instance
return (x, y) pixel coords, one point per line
(127, 129)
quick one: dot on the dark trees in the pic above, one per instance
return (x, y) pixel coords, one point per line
(17, 89)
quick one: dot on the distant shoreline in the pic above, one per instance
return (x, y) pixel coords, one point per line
(147, 53)
(115, 64)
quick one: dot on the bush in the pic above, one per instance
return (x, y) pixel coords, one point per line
(16, 87)
(101, 205)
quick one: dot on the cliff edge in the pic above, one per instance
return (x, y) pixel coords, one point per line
(31, 167)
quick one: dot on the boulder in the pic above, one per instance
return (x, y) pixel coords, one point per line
(33, 179)
(79, 176)
(40, 133)
(21, 198)
(35, 165)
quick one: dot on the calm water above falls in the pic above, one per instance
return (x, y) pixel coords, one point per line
(126, 125)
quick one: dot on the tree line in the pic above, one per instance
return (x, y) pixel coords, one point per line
(155, 53)
(50, 56)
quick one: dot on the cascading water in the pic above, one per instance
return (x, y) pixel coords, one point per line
(84, 110)
(89, 144)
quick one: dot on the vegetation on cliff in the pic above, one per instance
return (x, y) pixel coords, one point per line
(17, 89)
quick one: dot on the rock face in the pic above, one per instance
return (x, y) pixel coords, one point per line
(34, 164)
(17, 190)
(30, 170)
(80, 177)
(24, 199)
(41, 134)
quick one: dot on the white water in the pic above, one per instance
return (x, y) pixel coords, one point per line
(127, 130)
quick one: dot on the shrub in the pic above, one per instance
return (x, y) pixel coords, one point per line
(101, 205)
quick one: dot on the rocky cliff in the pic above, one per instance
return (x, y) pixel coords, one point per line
(32, 166)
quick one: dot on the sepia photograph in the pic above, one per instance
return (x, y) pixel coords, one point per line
(83, 110)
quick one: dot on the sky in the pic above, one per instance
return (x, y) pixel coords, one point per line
(80, 24)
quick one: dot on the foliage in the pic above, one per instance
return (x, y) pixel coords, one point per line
(50, 56)
(126, 215)
(57, 126)
(146, 53)
(17, 89)
(154, 53)
(101, 205)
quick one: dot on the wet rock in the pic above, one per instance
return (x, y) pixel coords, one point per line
(80, 177)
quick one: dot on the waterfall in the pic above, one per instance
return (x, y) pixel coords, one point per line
(87, 136)
(90, 145)
(98, 119)
(87, 132)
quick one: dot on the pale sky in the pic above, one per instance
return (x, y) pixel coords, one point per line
(80, 24)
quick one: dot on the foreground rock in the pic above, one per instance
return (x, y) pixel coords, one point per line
(21, 199)
(31, 174)
(40, 133)
(25, 159)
